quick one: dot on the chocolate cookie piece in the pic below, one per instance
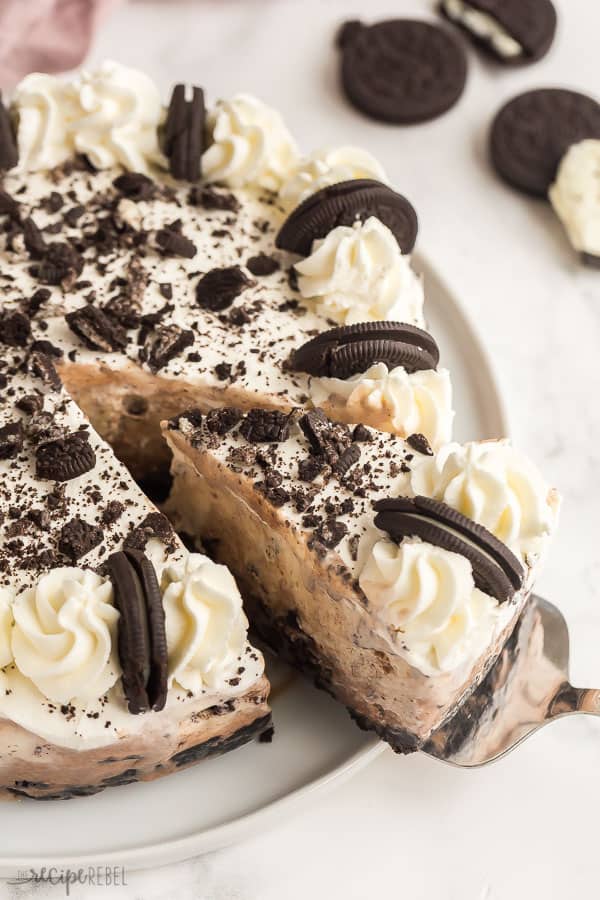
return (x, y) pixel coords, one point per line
(65, 458)
(496, 570)
(402, 71)
(164, 343)
(9, 155)
(349, 349)
(530, 23)
(11, 440)
(532, 132)
(219, 288)
(77, 538)
(345, 203)
(184, 133)
(96, 329)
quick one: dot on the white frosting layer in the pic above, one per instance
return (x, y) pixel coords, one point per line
(64, 636)
(206, 625)
(483, 26)
(575, 195)
(358, 273)
(6, 622)
(250, 144)
(111, 115)
(496, 486)
(427, 600)
(328, 166)
(394, 401)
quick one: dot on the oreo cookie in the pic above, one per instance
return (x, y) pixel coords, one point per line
(350, 349)
(402, 71)
(496, 570)
(184, 133)
(532, 132)
(345, 203)
(525, 28)
(9, 154)
(142, 633)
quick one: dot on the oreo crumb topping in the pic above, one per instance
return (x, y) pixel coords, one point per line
(173, 243)
(164, 343)
(65, 458)
(61, 265)
(262, 265)
(96, 329)
(265, 426)
(220, 287)
(154, 525)
(11, 440)
(419, 443)
(135, 185)
(77, 538)
(212, 199)
(220, 421)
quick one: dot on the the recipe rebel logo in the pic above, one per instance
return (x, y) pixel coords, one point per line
(89, 876)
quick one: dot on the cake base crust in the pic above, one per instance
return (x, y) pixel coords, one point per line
(30, 767)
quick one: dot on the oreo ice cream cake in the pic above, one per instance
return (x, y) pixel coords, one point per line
(159, 259)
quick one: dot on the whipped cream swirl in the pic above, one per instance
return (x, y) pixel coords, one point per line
(358, 273)
(575, 196)
(393, 401)
(111, 115)
(329, 166)
(64, 636)
(249, 144)
(427, 601)
(6, 622)
(493, 484)
(483, 26)
(206, 625)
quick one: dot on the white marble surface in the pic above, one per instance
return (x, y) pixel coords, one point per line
(526, 827)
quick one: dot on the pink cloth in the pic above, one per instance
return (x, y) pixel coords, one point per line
(46, 35)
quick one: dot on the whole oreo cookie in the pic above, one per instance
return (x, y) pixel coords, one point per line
(349, 349)
(184, 133)
(496, 570)
(401, 70)
(532, 132)
(343, 204)
(525, 28)
(142, 634)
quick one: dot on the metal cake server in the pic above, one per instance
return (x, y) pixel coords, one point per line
(526, 688)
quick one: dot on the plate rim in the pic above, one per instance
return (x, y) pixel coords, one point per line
(266, 816)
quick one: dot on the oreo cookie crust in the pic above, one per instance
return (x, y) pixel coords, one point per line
(343, 204)
(529, 23)
(531, 133)
(402, 71)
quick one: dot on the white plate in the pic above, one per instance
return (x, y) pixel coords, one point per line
(316, 745)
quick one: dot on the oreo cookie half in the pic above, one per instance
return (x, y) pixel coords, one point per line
(345, 203)
(142, 634)
(532, 132)
(496, 570)
(525, 28)
(401, 70)
(349, 349)
(184, 133)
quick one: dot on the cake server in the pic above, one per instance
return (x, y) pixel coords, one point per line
(527, 687)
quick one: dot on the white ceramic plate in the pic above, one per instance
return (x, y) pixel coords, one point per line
(316, 745)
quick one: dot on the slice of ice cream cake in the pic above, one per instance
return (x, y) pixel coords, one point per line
(389, 575)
